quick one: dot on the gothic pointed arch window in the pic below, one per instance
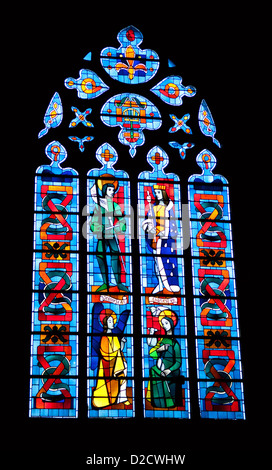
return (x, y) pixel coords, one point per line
(133, 264)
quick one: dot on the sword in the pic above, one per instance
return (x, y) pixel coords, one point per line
(117, 242)
(153, 218)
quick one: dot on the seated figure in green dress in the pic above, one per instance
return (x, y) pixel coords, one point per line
(164, 387)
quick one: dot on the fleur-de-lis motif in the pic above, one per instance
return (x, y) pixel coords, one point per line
(131, 68)
(129, 63)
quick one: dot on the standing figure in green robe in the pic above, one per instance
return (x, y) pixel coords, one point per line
(164, 389)
(107, 222)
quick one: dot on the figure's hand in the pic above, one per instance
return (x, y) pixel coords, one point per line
(97, 229)
(152, 330)
(162, 348)
(148, 197)
(165, 372)
(116, 229)
(123, 342)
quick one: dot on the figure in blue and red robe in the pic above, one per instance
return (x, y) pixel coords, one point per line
(161, 233)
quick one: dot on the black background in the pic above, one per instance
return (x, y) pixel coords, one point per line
(214, 50)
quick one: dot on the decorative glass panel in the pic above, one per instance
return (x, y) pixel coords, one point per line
(133, 113)
(129, 63)
(53, 115)
(206, 122)
(171, 90)
(88, 85)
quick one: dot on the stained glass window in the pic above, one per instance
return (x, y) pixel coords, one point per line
(112, 266)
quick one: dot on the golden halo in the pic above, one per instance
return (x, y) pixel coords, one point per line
(107, 312)
(168, 314)
(109, 179)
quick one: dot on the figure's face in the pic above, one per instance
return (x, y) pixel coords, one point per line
(166, 324)
(110, 192)
(158, 194)
(110, 323)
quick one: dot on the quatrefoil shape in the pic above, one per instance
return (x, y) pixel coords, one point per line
(81, 117)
